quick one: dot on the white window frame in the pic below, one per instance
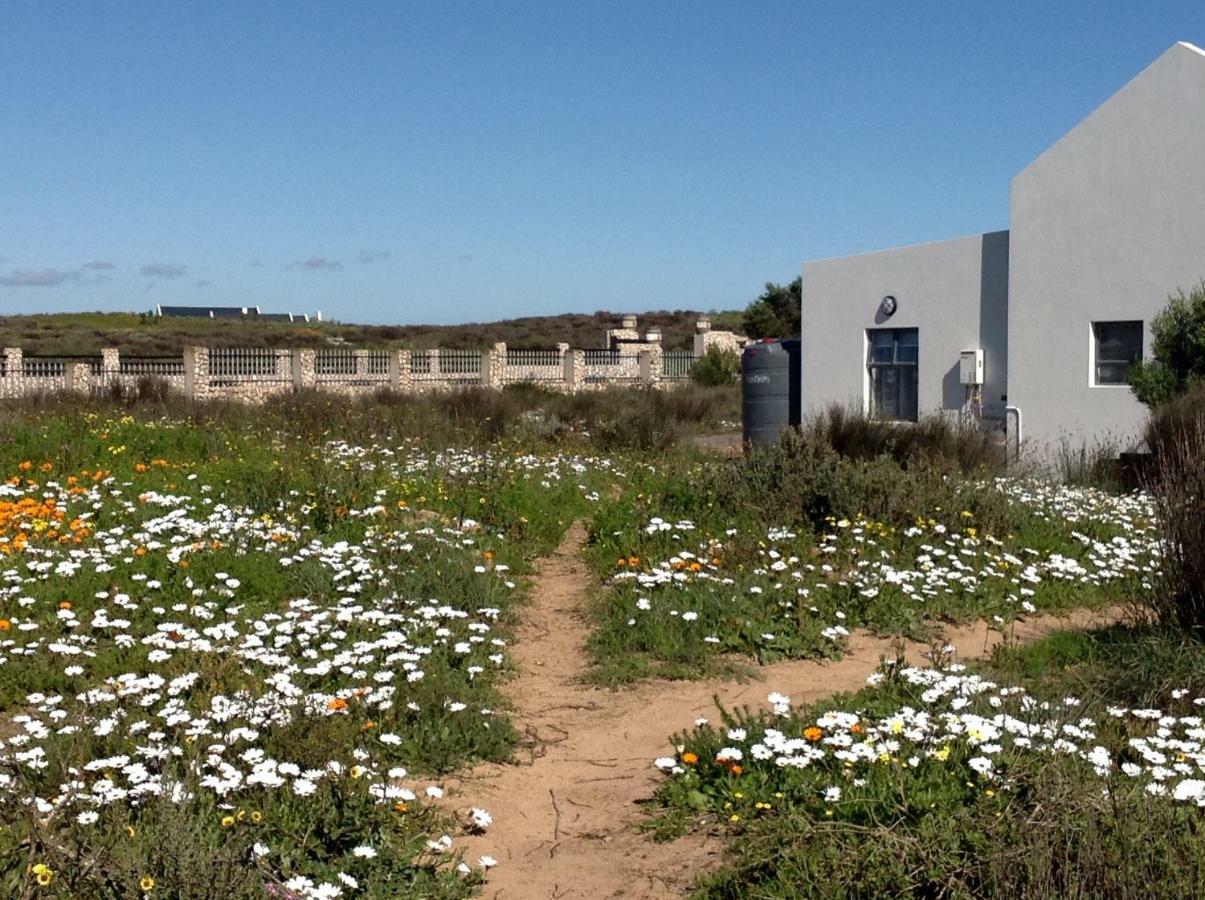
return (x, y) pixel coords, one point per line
(1092, 342)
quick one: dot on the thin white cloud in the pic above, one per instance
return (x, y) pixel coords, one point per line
(38, 277)
(317, 264)
(163, 270)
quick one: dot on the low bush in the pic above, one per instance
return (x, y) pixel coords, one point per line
(1178, 595)
(716, 367)
(806, 479)
(1089, 465)
(936, 440)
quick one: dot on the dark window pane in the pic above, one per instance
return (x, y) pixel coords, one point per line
(1118, 346)
(881, 346)
(1112, 372)
(908, 406)
(893, 356)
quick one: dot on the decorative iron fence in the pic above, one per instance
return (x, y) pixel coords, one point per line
(533, 366)
(334, 362)
(676, 364)
(232, 365)
(149, 366)
(446, 366)
(44, 373)
(611, 367)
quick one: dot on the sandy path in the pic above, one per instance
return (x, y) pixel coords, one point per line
(565, 813)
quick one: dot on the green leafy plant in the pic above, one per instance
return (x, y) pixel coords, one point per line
(1178, 350)
(716, 367)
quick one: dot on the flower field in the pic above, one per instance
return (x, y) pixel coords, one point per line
(240, 654)
(948, 767)
(209, 689)
(692, 587)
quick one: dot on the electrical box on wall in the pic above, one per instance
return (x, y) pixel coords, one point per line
(970, 366)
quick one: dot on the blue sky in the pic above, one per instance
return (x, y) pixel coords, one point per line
(447, 162)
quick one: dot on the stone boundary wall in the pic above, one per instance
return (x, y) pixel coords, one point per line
(256, 374)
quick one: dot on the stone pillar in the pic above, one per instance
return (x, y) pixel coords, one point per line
(361, 358)
(196, 373)
(14, 373)
(702, 326)
(110, 368)
(77, 376)
(561, 350)
(493, 366)
(303, 363)
(575, 371)
(436, 375)
(400, 377)
(650, 366)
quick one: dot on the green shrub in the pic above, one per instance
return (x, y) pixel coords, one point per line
(716, 367)
(1178, 348)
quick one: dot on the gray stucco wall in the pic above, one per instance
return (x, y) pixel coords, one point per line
(1105, 225)
(955, 293)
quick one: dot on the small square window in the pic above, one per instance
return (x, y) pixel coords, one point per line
(1115, 347)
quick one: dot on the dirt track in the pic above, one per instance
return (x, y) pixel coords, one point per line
(565, 812)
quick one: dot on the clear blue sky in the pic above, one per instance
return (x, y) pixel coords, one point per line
(445, 162)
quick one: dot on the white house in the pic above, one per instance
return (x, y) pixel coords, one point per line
(1035, 326)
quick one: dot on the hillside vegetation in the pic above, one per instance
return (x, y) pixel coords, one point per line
(85, 334)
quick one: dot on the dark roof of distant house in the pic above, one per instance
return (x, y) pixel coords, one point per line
(207, 312)
(229, 312)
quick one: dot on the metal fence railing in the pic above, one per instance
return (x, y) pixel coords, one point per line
(533, 365)
(250, 364)
(676, 364)
(611, 367)
(334, 362)
(343, 368)
(446, 366)
(150, 366)
(44, 373)
(378, 362)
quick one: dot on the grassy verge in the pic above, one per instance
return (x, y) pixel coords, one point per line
(1046, 773)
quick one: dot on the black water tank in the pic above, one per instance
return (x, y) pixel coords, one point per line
(770, 390)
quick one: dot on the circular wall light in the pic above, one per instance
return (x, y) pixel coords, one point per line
(888, 305)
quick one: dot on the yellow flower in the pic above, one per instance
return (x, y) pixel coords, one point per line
(257, 816)
(147, 883)
(227, 821)
(130, 830)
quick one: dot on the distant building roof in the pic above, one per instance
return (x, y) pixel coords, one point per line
(207, 312)
(229, 312)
